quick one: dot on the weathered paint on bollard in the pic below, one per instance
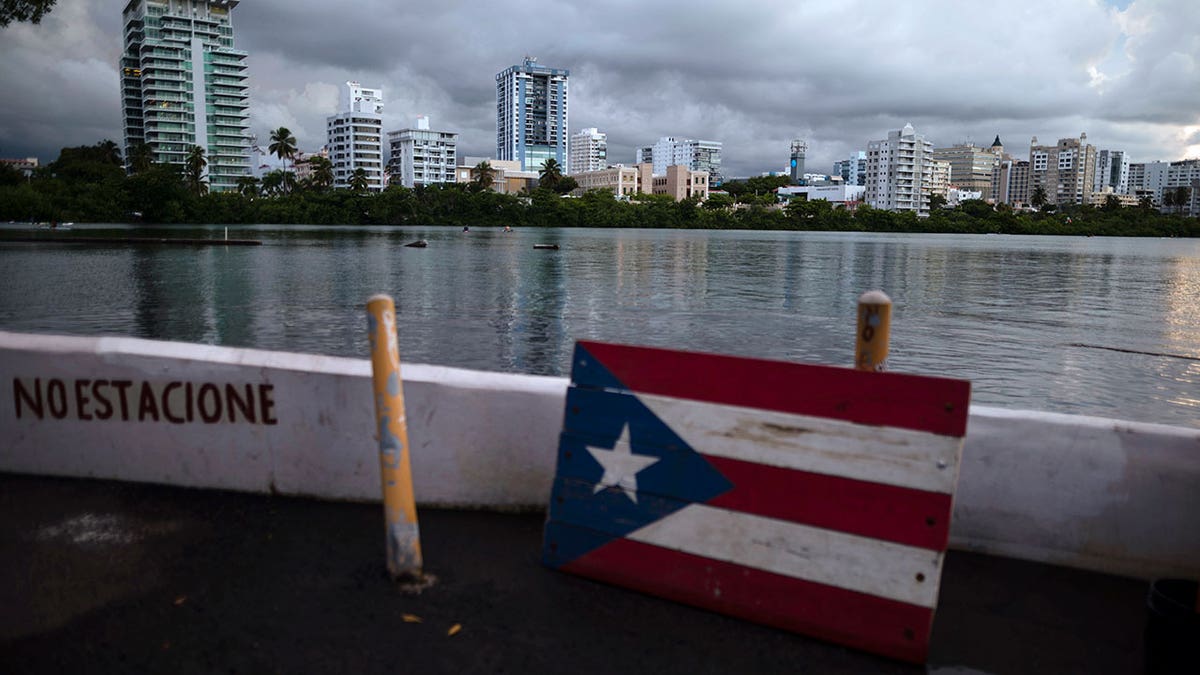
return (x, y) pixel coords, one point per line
(874, 331)
(399, 506)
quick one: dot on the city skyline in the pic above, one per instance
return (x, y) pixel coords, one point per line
(752, 77)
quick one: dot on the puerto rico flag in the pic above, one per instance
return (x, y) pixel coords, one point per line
(811, 498)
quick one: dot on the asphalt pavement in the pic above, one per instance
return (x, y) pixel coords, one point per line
(110, 577)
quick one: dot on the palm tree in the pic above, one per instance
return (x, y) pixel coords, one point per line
(1168, 200)
(141, 158)
(194, 173)
(1038, 198)
(322, 172)
(283, 145)
(550, 174)
(482, 176)
(110, 152)
(247, 186)
(1183, 195)
(358, 180)
(272, 182)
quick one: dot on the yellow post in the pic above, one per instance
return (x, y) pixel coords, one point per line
(874, 331)
(399, 507)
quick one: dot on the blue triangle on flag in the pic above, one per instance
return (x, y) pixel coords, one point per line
(596, 422)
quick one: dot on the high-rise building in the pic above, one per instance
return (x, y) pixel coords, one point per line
(939, 178)
(695, 155)
(796, 161)
(589, 151)
(531, 114)
(1112, 171)
(970, 166)
(1155, 179)
(184, 85)
(355, 136)
(900, 172)
(1010, 184)
(853, 170)
(1066, 171)
(422, 156)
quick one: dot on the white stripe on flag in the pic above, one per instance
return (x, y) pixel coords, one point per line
(847, 561)
(900, 457)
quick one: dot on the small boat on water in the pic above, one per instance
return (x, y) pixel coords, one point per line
(551, 247)
(420, 243)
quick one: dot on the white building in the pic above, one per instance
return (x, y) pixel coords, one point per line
(184, 85)
(852, 170)
(1156, 178)
(695, 155)
(956, 196)
(422, 156)
(588, 151)
(356, 136)
(531, 114)
(900, 172)
(1112, 171)
(838, 195)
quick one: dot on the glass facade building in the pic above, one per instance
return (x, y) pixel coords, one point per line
(531, 114)
(183, 84)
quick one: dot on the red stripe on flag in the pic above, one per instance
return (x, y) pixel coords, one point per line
(933, 404)
(902, 515)
(858, 620)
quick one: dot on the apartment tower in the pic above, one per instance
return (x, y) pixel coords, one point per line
(531, 115)
(900, 172)
(1112, 171)
(695, 155)
(589, 151)
(422, 156)
(184, 85)
(1066, 171)
(853, 170)
(355, 136)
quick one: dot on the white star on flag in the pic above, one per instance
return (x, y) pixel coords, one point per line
(620, 465)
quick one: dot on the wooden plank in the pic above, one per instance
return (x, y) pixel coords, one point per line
(900, 457)
(861, 564)
(932, 404)
(895, 629)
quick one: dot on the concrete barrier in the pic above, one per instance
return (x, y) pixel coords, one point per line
(478, 438)
(1112, 496)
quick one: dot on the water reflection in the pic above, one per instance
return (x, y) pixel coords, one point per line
(1033, 322)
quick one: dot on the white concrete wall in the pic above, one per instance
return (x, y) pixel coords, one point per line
(486, 439)
(1098, 494)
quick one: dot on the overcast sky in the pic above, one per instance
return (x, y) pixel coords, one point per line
(752, 74)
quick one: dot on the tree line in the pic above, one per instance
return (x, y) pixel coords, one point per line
(91, 184)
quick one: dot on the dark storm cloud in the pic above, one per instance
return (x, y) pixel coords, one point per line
(753, 75)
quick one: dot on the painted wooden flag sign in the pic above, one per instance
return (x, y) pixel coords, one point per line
(811, 498)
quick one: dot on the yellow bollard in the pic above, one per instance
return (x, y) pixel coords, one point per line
(874, 331)
(399, 507)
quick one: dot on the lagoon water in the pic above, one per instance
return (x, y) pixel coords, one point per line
(1097, 326)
